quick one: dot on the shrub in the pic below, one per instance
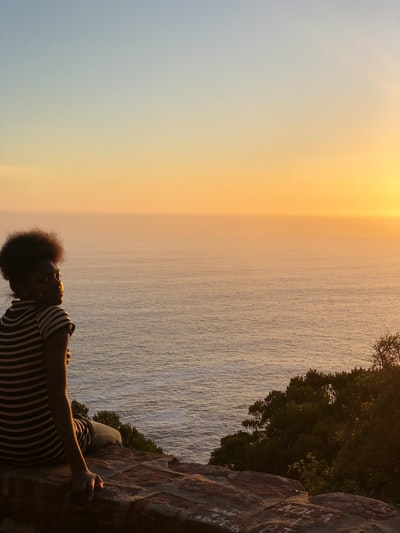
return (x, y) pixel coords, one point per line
(333, 432)
(131, 437)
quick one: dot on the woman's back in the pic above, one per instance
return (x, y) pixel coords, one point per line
(28, 434)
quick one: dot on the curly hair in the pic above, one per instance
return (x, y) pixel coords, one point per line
(22, 250)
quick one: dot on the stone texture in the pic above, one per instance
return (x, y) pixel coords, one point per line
(156, 493)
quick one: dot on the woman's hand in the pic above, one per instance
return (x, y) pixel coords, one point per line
(84, 485)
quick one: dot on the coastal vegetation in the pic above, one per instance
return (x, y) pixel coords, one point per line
(131, 437)
(333, 432)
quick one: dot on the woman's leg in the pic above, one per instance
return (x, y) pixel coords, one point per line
(103, 436)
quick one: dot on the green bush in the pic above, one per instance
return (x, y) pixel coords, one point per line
(333, 432)
(79, 409)
(109, 418)
(131, 437)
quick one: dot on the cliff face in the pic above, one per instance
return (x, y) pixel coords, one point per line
(157, 493)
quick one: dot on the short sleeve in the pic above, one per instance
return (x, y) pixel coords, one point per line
(51, 319)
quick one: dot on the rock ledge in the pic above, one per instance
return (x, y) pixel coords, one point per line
(159, 494)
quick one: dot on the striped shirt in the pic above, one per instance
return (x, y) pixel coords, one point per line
(28, 434)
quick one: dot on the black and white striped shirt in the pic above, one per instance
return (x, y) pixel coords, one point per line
(28, 434)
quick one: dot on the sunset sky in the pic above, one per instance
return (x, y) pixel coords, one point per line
(200, 106)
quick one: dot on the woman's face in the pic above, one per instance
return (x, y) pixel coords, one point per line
(43, 284)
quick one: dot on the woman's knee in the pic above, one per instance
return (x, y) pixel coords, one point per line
(103, 435)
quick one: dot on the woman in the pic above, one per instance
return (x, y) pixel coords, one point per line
(36, 421)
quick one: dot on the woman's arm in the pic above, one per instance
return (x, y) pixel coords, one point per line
(83, 480)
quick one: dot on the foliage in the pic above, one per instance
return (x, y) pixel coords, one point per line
(314, 474)
(79, 409)
(333, 432)
(109, 418)
(386, 351)
(131, 437)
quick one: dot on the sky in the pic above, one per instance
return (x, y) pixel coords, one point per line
(200, 106)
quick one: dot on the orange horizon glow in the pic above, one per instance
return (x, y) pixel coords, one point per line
(240, 194)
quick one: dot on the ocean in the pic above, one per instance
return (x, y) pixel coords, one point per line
(182, 322)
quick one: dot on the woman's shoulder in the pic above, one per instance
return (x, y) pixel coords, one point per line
(52, 310)
(52, 318)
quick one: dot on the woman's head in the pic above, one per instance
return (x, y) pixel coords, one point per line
(28, 260)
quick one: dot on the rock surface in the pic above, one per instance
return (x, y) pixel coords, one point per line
(158, 494)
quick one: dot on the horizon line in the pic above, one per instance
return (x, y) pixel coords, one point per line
(206, 215)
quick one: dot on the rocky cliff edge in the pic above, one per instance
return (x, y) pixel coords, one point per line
(159, 494)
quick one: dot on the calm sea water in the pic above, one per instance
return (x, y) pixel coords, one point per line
(183, 322)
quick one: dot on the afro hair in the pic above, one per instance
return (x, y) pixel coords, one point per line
(22, 250)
